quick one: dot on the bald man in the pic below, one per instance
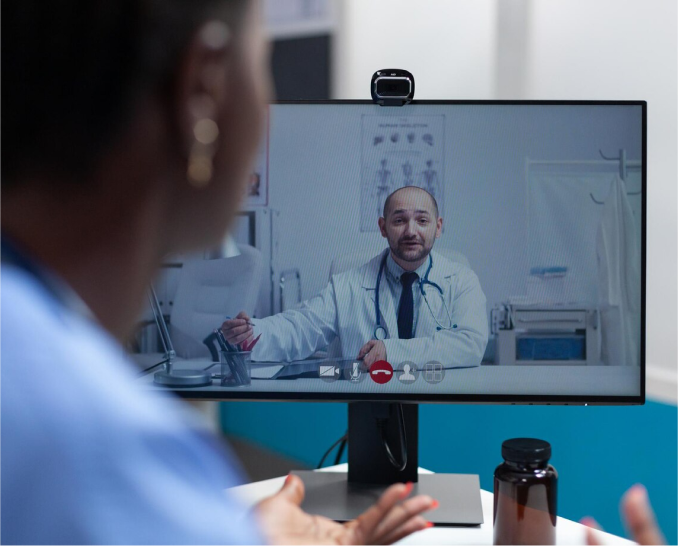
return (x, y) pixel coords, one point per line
(408, 303)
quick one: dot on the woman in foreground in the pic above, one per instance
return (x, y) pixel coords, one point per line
(129, 129)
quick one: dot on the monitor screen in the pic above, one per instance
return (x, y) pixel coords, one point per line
(452, 251)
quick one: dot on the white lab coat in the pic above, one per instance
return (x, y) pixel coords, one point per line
(345, 308)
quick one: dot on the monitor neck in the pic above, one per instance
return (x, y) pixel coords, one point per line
(368, 460)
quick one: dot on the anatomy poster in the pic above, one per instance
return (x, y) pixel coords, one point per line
(398, 152)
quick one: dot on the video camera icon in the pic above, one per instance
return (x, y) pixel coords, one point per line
(329, 372)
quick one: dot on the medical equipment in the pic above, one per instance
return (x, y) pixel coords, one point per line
(545, 334)
(380, 331)
(547, 284)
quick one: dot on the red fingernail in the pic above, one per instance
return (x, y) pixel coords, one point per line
(289, 477)
(429, 524)
(408, 488)
(434, 504)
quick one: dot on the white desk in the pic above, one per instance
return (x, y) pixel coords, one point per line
(567, 532)
(488, 380)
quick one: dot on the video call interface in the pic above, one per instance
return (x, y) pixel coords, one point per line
(483, 249)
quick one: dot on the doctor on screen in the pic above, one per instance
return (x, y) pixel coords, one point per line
(408, 303)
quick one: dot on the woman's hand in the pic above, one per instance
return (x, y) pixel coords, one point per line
(390, 519)
(638, 518)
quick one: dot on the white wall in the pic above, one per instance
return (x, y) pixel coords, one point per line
(625, 49)
(555, 49)
(448, 46)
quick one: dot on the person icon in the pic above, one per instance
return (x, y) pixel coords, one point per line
(406, 376)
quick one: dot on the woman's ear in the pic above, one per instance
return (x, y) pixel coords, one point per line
(201, 83)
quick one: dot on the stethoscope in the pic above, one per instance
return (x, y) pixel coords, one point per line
(380, 331)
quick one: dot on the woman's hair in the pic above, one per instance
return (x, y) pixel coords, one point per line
(74, 70)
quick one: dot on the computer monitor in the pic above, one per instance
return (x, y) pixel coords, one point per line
(448, 251)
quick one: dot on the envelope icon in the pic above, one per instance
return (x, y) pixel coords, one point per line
(328, 371)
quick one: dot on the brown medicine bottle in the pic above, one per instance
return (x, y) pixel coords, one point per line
(525, 494)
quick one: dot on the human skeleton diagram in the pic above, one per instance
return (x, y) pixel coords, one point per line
(407, 173)
(429, 179)
(399, 151)
(384, 186)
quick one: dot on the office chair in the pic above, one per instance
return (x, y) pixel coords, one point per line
(208, 292)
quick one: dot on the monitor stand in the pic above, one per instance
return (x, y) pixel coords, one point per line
(344, 496)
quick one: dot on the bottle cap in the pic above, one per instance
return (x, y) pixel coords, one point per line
(526, 450)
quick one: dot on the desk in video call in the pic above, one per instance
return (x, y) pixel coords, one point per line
(486, 379)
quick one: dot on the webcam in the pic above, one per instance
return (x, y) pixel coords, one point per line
(392, 87)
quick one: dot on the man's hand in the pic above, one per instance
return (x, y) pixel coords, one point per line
(372, 351)
(238, 329)
(638, 517)
(390, 519)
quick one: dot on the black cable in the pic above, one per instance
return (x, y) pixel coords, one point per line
(335, 444)
(150, 368)
(340, 452)
(381, 424)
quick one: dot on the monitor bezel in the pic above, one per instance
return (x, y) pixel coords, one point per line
(508, 399)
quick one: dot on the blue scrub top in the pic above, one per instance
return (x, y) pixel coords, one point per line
(87, 457)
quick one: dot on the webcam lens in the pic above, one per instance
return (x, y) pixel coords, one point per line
(393, 88)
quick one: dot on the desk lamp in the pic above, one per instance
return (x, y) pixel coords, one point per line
(170, 377)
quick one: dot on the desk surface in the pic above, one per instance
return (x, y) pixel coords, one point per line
(487, 380)
(567, 531)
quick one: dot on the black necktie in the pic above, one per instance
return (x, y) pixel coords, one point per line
(406, 309)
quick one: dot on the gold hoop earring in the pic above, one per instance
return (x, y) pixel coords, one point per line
(201, 159)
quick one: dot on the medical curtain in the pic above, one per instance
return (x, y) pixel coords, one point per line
(564, 220)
